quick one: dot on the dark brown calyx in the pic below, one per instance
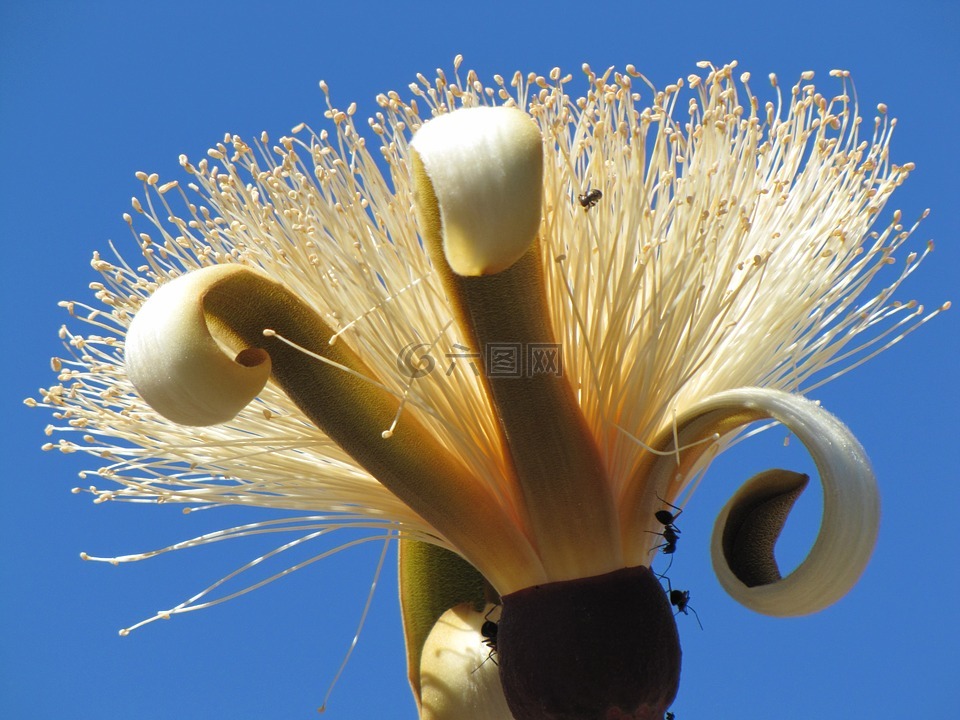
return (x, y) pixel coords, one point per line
(597, 648)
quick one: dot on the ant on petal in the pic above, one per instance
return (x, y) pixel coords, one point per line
(680, 599)
(488, 630)
(667, 518)
(670, 534)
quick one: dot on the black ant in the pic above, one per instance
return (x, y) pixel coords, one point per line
(680, 599)
(589, 199)
(667, 518)
(489, 631)
(669, 716)
(670, 534)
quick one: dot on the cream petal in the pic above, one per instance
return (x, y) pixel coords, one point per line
(851, 505)
(486, 168)
(176, 364)
(459, 677)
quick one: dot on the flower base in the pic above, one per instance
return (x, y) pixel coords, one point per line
(597, 648)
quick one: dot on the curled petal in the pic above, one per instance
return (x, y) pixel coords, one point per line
(851, 509)
(747, 528)
(177, 365)
(458, 674)
(484, 166)
(753, 520)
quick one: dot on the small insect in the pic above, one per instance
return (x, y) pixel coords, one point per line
(667, 518)
(670, 534)
(589, 199)
(488, 630)
(669, 716)
(680, 599)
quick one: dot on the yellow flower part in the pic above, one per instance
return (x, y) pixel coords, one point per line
(519, 332)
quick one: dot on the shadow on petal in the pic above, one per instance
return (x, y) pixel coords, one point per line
(458, 675)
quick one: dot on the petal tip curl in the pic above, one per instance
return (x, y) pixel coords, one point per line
(485, 166)
(177, 365)
(851, 512)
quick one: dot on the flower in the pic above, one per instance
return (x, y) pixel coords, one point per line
(632, 286)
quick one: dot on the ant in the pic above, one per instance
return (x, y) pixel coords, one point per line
(589, 199)
(667, 518)
(680, 599)
(669, 716)
(489, 631)
(670, 534)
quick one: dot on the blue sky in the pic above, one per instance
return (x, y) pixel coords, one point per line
(92, 92)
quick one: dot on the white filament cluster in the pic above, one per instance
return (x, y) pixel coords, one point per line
(734, 245)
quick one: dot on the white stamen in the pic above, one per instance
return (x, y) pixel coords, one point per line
(193, 603)
(666, 453)
(363, 619)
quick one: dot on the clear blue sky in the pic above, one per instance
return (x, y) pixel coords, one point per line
(92, 92)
